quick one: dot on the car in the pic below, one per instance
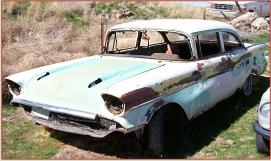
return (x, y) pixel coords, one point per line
(230, 9)
(262, 125)
(149, 72)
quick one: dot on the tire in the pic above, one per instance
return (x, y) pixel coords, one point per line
(156, 134)
(247, 87)
(262, 144)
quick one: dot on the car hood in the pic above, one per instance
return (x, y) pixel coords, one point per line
(79, 86)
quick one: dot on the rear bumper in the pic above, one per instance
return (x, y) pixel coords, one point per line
(261, 131)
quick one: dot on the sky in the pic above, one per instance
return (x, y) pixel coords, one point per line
(199, 3)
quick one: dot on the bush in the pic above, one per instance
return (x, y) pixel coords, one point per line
(140, 10)
(76, 17)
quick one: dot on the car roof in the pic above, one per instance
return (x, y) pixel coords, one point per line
(188, 26)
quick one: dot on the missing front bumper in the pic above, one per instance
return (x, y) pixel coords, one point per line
(98, 128)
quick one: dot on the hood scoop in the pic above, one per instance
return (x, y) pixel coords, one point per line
(97, 81)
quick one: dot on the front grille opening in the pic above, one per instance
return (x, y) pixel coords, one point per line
(97, 124)
(65, 119)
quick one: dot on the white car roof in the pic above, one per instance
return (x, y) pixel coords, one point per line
(188, 26)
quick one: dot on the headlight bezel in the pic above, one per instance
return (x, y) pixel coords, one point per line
(14, 88)
(113, 104)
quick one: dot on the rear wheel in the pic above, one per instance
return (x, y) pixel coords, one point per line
(247, 87)
(262, 144)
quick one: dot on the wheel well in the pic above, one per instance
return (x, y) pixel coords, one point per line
(173, 112)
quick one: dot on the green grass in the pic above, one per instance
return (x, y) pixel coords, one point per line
(261, 38)
(76, 17)
(22, 139)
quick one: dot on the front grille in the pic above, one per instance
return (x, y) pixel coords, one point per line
(76, 121)
(222, 6)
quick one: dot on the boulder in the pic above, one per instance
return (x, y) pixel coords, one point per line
(244, 21)
(260, 24)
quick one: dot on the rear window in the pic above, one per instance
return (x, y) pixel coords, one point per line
(230, 41)
(208, 44)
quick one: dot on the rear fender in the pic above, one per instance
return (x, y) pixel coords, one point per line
(259, 60)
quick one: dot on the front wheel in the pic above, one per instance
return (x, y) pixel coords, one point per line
(262, 144)
(247, 87)
(156, 134)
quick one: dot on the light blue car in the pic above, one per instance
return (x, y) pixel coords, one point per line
(150, 72)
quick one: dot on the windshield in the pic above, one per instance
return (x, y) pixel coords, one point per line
(152, 44)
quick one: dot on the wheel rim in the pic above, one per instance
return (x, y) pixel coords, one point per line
(248, 86)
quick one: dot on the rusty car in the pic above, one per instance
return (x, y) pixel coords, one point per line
(148, 73)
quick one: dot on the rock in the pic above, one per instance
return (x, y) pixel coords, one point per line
(244, 21)
(229, 142)
(267, 19)
(260, 24)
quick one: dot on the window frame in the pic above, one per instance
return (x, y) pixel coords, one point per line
(198, 51)
(241, 45)
(198, 48)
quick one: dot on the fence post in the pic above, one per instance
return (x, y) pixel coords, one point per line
(102, 34)
(204, 14)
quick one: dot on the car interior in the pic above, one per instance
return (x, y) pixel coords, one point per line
(153, 46)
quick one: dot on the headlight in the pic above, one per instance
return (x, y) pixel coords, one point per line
(264, 110)
(14, 87)
(113, 104)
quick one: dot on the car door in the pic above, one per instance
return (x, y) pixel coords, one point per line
(215, 69)
(238, 57)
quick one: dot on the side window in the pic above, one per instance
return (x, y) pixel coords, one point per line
(180, 45)
(208, 44)
(230, 41)
(151, 38)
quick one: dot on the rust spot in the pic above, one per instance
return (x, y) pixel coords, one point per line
(223, 59)
(254, 71)
(225, 65)
(200, 65)
(196, 75)
(138, 96)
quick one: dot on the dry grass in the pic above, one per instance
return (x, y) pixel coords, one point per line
(183, 11)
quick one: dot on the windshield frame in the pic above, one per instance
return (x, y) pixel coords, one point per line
(111, 32)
